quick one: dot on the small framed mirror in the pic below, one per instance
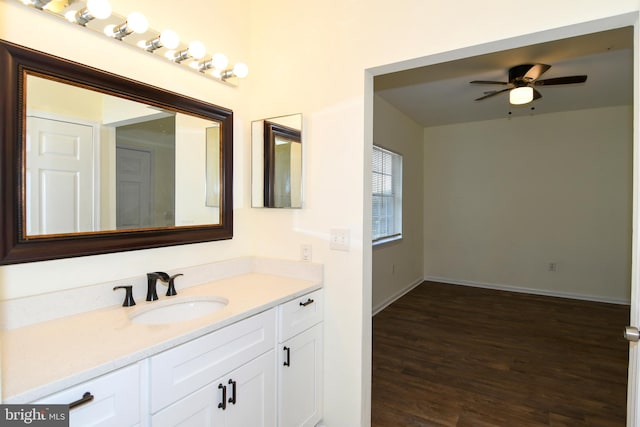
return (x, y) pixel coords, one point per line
(276, 173)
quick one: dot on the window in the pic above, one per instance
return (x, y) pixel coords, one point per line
(387, 195)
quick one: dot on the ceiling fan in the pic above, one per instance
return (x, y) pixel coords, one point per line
(522, 79)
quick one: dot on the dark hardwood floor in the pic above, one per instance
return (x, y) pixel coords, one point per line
(447, 355)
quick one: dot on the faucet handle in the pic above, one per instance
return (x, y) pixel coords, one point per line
(128, 296)
(172, 287)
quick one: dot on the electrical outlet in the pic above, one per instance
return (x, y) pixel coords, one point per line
(339, 239)
(305, 252)
(553, 266)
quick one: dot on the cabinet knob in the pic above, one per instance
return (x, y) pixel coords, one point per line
(307, 302)
(287, 360)
(223, 404)
(86, 398)
(232, 399)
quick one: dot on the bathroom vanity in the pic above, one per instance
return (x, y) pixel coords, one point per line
(256, 361)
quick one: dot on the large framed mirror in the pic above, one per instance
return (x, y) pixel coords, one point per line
(95, 163)
(276, 170)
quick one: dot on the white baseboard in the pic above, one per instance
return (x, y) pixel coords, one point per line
(511, 288)
(387, 302)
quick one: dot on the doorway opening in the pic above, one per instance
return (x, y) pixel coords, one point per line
(145, 172)
(490, 62)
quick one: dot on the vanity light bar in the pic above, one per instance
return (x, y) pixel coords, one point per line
(134, 30)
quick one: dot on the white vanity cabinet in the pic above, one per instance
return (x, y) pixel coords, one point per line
(264, 370)
(109, 400)
(225, 378)
(300, 347)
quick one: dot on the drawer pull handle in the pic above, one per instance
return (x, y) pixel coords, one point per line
(86, 398)
(287, 361)
(307, 302)
(223, 403)
(232, 399)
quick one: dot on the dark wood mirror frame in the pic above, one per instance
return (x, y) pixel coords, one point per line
(271, 131)
(15, 245)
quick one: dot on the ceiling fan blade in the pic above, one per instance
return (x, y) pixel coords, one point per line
(536, 94)
(535, 72)
(493, 93)
(488, 82)
(561, 81)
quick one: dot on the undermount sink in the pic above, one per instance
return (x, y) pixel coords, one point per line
(177, 309)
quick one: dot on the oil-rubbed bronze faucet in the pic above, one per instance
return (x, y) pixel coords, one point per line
(152, 279)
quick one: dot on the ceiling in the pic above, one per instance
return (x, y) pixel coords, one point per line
(440, 94)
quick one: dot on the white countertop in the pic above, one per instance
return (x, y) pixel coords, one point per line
(47, 357)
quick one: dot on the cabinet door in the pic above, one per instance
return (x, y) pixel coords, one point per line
(115, 401)
(255, 394)
(196, 410)
(300, 379)
(254, 398)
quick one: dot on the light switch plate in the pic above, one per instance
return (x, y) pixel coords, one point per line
(305, 252)
(339, 239)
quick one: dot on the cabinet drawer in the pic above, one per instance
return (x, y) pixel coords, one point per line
(116, 400)
(177, 372)
(299, 314)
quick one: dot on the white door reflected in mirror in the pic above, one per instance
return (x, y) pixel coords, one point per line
(60, 177)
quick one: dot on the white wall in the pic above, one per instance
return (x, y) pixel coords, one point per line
(504, 198)
(58, 37)
(49, 96)
(191, 172)
(317, 58)
(320, 62)
(398, 266)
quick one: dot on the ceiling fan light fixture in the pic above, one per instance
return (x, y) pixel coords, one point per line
(521, 95)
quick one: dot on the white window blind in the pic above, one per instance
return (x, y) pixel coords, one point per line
(386, 195)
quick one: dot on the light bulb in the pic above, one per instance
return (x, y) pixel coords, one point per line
(108, 30)
(99, 9)
(197, 49)
(220, 61)
(216, 73)
(137, 22)
(70, 16)
(521, 95)
(241, 70)
(169, 39)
